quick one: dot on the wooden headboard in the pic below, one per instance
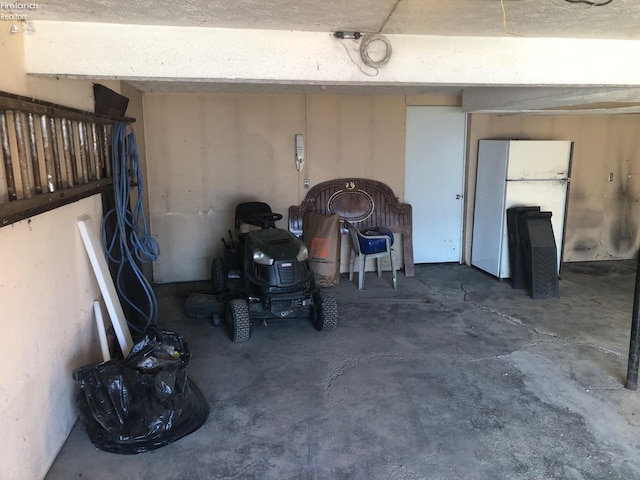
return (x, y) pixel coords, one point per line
(363, 202)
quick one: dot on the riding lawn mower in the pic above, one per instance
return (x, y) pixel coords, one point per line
(264, 274)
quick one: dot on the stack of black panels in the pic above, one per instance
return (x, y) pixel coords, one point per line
(532, 251)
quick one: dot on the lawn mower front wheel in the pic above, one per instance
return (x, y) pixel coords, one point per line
(325, 311)
(238, 320)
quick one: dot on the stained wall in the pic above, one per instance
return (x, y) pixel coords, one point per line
(602, 216)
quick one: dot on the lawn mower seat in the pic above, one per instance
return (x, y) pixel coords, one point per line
(254, 216)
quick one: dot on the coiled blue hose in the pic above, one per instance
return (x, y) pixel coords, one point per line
(138, 246)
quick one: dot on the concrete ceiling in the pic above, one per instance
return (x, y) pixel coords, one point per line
(619, 19)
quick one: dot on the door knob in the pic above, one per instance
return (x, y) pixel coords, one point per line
(458, 196)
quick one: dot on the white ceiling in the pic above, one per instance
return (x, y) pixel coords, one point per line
(619, 19)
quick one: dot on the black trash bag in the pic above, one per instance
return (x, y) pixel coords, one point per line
(144, 402)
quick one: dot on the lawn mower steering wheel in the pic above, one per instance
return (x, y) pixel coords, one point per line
(265, 220)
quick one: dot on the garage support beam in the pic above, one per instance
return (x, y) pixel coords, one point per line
(513, 99)
(141, 53)
(634, 342)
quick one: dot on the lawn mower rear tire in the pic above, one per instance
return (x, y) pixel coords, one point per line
(218, 277)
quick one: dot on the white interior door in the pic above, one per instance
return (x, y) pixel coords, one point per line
(434, 180)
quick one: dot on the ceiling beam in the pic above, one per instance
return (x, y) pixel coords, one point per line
(152, 53)
(518, 99)
(581, 111)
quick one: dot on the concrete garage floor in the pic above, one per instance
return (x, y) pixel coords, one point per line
(453, 376)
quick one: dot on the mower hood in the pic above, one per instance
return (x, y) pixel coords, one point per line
(276, 244)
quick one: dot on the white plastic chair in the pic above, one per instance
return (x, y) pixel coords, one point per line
(356, 250)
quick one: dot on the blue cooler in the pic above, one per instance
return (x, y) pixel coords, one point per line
(374, 245)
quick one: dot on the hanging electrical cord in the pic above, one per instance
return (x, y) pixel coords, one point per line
(368, 58)
(504, 21)
(131, 242)
(357, 64)
(370, 40)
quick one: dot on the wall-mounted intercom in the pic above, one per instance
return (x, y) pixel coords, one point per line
(299, 151)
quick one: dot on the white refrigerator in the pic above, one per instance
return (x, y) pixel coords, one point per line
(514, 173)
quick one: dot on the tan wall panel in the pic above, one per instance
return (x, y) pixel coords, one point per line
(602, 216)
(208, 152)
(356, 136)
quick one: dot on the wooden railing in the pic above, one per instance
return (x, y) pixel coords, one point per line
(51, 155)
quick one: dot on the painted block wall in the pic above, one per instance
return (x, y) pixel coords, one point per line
(47, 290)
